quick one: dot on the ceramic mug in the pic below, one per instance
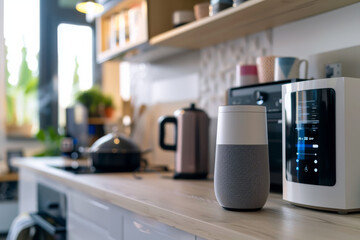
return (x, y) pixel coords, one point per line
(289, 68)
(265, 68)
(246, 75)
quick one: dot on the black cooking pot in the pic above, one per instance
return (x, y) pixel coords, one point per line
(115, 152)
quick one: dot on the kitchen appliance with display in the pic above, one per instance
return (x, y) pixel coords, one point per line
(269, 96)
(321, 144)
(191, 142)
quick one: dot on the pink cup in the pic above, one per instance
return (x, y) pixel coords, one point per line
(246, 75)
(265, 67)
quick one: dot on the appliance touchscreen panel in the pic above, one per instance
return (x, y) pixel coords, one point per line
(310, 137)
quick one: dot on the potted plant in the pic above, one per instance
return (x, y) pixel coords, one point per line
(109, 107)
(96, 102)
(51, 140)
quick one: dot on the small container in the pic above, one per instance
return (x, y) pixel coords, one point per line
(219, 5)
(201, 10)
(182, 17)
(265, 66)
(238, 2)
(246, 75)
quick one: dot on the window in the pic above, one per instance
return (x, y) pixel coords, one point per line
(48, 44)
(66, 53)
(21, 33)
(75, 58)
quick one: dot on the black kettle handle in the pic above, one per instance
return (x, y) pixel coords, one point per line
(162, 121)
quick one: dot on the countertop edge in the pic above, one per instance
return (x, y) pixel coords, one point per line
(184, 223)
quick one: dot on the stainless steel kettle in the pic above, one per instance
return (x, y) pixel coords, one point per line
(191, 142)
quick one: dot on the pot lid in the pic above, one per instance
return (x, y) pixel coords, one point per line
(114, 143)
(191, 109)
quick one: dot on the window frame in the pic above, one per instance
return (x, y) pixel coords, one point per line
(51, 15)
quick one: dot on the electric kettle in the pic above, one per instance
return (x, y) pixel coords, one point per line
(191, 142)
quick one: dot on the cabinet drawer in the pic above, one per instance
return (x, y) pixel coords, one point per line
(138, 227)
(104, 215)
(89, 208)
(79, 228)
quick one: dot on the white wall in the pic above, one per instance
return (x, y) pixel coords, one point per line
(2, 86)
(156, 77)
(325, 32)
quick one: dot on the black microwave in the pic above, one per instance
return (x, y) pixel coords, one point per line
(268, 95)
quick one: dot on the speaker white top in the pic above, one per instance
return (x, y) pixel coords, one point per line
(242, 125)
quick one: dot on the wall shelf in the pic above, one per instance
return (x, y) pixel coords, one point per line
(249, 17)
(126, 26)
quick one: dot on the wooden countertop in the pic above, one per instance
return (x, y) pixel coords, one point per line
(8, 177)
(191, 206)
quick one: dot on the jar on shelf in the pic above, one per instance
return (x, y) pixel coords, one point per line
(238, 2)
(219, 5)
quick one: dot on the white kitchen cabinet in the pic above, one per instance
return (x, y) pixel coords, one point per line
(91, 209)
(28, 191)
(138, 227)
(8, 210)
(104, 219)
(91, 218)
(79, 228)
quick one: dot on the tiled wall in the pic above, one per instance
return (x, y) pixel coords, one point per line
(212, 70)
(214, 66)
(218, 64)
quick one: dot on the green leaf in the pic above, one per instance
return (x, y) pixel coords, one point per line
(32, 85)
(41, 135)
(53, 135)
(25, 74)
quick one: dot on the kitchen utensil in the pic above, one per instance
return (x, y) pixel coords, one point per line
(321, 135)
(191, 141)
(265, 67)
(114, 151)
(242, 176)
(246, 75)
(288, 68)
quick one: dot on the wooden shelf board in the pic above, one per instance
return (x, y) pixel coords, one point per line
(249, 17)
(117, 52)
(9, 177)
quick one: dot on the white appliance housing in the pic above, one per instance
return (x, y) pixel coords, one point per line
(307, 189)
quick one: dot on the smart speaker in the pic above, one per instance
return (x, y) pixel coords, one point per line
(242, 175)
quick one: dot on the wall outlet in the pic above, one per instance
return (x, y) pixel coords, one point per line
(333, 70)
(343, 62)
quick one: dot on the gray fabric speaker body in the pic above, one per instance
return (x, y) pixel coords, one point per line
(242, 175)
